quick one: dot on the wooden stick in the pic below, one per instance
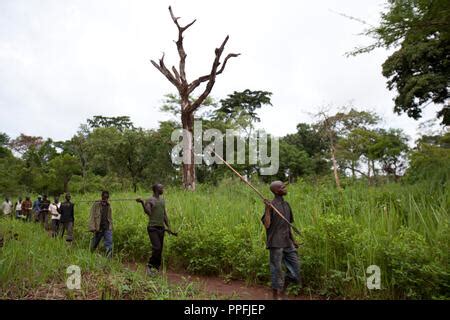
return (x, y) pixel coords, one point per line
(127, 199)
(258, 192)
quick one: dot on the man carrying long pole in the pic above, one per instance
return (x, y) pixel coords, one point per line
(277, 220)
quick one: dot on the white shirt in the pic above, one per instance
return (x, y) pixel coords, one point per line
(19, 206)
(7, 207)
(54, 211)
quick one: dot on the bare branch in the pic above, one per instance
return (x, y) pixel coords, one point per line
(163, 69)
(175, 72)
(230, 55)
(180, 47)
(211, 78)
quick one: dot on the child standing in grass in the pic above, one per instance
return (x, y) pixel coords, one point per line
(54, 211)
(26, 208)
(43, 212)
(67, 218)
(281, 245)
(18, 208)
(37, 208)
(7, 207)
(155, 208)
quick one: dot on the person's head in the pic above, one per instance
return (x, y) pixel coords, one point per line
(56, 199)
(158, 189)
(39, 198)
(105, 195)
(20, 199)
(7, 199)
(27, 198)
(68, 196)
(278, 188)
(44, 197)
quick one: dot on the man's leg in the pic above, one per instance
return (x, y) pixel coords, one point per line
(69, 226)
(155, 258)
(291, 261)
(161, 240)
(108, 243)
(276, 256)
(54, 228)
(96, 240)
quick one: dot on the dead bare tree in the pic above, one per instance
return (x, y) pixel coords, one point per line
(185, 89)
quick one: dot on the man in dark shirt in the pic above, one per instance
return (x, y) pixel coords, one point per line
(43, 212)
(100, 223)
(280, 242)
(155, 208)
(67, 219)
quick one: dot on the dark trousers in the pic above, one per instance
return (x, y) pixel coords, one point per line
(55, 227)
(288, 257)
(44, 218)
(156, 235)
(67, 225)
(108, 241)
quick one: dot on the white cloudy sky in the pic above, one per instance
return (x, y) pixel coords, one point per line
(64, 61)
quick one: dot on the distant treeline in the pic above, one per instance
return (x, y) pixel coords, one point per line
(110, 152)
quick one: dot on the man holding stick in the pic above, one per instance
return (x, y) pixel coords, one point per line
(155, 208)
(280, 241)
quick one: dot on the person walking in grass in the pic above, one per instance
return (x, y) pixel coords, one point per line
(37, 208)
(280, 242)
(53, 208)
(43, 212)
(67, 218)
(18, 208)
(26, 208)
(155, 208)
(100, 223)
(7, 207)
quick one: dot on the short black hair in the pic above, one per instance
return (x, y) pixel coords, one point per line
(105, 192)
(155, 186)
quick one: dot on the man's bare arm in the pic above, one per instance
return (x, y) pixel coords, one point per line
(267, 215)
(147, 206)
(166, 219)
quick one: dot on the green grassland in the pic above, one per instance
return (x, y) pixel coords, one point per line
(403, 229)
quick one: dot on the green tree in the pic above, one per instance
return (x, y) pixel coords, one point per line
(63, 167)
(419, 69)
(120, 123)
(334, 127)
(390, 149)
(239, 109)
(429, 159)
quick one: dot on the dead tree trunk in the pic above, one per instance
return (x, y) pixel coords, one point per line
(185, 89)
(335, 168)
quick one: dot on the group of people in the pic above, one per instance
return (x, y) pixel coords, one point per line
(54, 216)
(280, 242)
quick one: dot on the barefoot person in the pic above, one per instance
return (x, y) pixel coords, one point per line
(100, 223)
(281, 245)
(155, 208)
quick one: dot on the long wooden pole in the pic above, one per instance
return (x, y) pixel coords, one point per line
(258, 192)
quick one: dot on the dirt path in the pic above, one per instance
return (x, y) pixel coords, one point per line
(219, 288)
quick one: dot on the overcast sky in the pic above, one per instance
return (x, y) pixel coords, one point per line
(64, 61)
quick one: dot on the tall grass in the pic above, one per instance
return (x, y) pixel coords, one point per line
(34, 266)
(403, 229)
